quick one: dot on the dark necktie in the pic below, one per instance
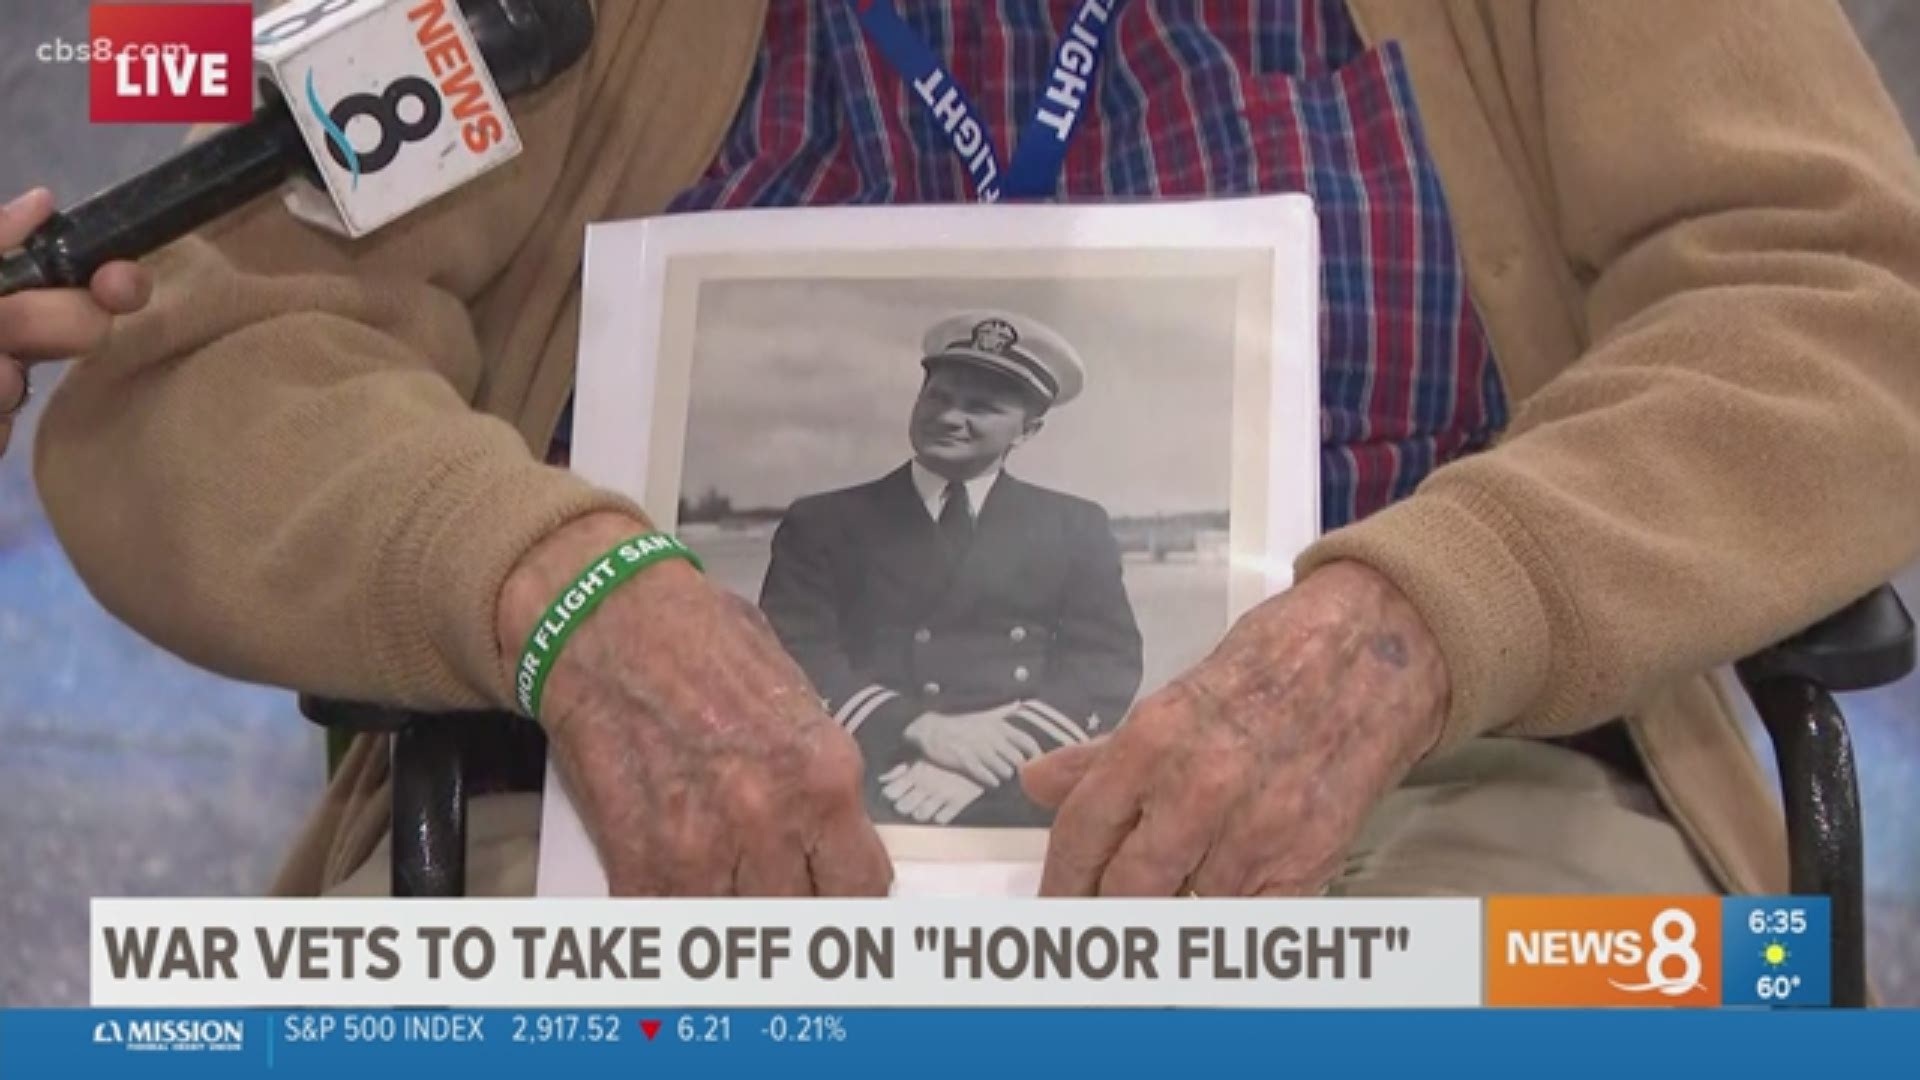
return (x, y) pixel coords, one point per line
(956, 519)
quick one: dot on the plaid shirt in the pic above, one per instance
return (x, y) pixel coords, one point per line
(1192, 98)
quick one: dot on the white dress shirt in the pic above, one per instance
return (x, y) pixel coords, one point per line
(933, 490)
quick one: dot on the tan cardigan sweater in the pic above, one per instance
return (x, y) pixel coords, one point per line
(1692, 229)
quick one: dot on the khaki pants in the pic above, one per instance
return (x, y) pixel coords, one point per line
(1496, 816)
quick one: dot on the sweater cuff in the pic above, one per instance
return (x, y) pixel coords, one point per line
(1463, 562)
(440, 573)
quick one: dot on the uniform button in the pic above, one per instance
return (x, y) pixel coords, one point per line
(923, 635)
(1020, 674)
(931, 689)
(1018, 634)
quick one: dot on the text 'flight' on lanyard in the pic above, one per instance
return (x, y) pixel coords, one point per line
(1035, 167)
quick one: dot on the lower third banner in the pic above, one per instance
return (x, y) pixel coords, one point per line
(786, 953)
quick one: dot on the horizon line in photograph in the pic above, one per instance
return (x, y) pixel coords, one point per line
(1156, 534)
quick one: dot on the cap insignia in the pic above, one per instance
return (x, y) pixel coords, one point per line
(994, 336)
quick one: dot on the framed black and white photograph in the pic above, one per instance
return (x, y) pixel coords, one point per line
(991, 474)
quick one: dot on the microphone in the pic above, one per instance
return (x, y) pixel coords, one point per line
(523, 43)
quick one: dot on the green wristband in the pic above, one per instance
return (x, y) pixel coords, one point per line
(579, 600)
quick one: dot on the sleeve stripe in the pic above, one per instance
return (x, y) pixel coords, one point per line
(1048, 722)
(1046, 727)
(1058, 717)
(1047, 710)
(855, 700)
(1025, 722)
(872, 706)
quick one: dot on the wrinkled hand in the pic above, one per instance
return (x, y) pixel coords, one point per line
(53, 324)
(697, 752)
(926, 792)
(983, 745)
(1251, 774)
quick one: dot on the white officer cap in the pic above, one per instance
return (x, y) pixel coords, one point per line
(1015, 345)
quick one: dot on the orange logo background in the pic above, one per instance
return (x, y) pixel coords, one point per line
(1603, 950)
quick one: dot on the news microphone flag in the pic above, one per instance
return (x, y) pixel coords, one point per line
(393, 100)
(1682, 951)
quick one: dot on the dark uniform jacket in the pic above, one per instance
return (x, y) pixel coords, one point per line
(888, 625)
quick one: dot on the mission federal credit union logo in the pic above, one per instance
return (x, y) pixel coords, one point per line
(171, 1035)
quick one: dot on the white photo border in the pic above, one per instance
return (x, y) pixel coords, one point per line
(640, 303)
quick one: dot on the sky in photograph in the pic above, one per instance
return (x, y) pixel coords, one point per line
(802, 386)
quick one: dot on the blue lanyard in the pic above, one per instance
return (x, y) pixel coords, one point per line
(1035, 168)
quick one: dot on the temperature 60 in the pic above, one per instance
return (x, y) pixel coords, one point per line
(1776, 986)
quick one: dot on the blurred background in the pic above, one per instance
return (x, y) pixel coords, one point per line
(127, 773)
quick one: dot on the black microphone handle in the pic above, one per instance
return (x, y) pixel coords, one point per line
(543, 37)
(227, 169)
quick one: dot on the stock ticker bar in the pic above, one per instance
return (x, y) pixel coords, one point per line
(923, 1043)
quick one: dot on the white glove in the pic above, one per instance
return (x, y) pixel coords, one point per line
(926, 792)
(983, 745)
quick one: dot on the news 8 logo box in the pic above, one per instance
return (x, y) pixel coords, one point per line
(170, 63)
(393, 99)
(1584, 951)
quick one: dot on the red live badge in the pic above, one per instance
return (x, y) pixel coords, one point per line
(171, 63)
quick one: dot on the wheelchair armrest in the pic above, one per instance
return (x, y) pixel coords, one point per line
(429, 789)
(1868, 643)
(354, 717)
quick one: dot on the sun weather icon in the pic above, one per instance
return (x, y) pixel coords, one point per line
(1775, 955)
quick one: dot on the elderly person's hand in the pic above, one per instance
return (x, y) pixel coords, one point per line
(53, 324)
(698, 754)
(1251, 773)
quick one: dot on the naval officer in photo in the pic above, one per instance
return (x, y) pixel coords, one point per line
(959, 621)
